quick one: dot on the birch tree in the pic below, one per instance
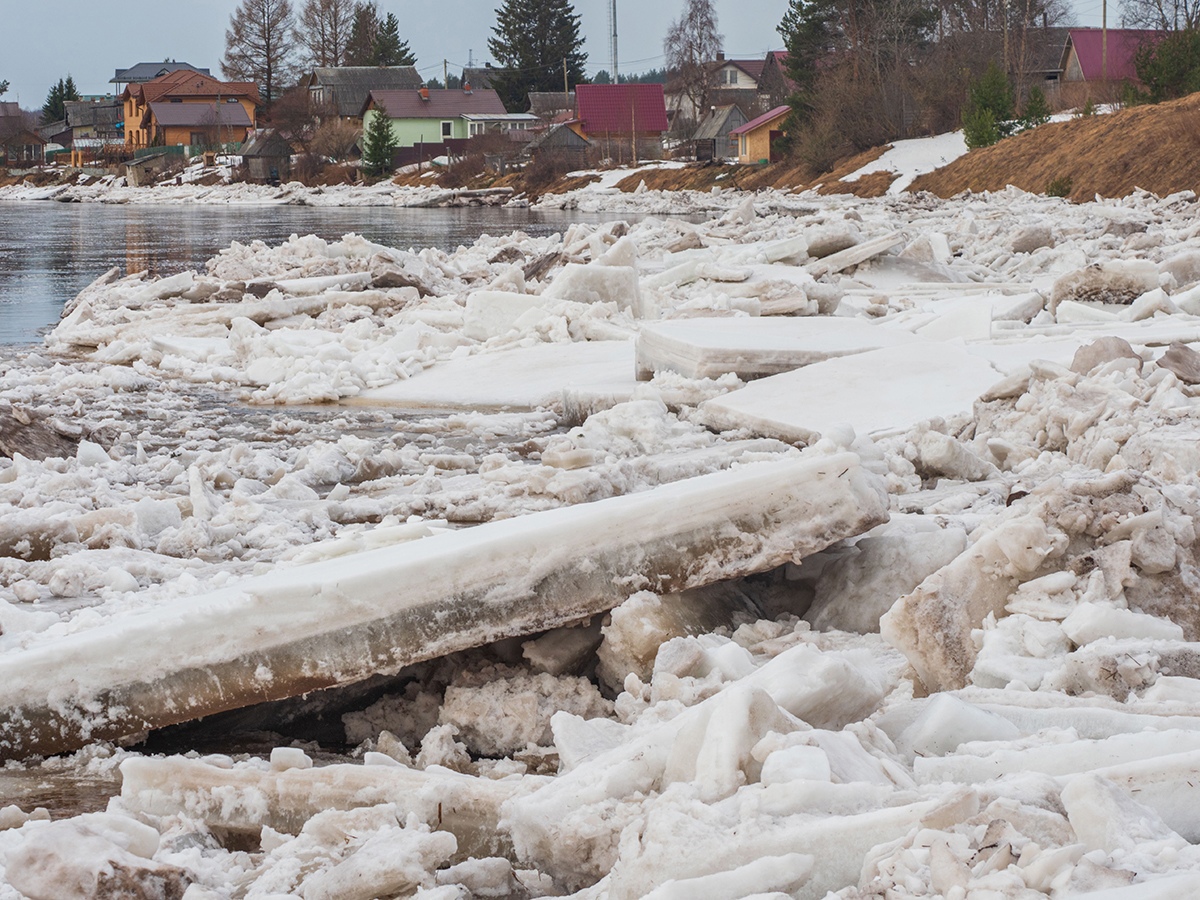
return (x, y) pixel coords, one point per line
(691, 48)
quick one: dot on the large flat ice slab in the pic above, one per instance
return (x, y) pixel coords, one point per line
(521, 378)
(752, 347)
(339, 621)
(880, 391)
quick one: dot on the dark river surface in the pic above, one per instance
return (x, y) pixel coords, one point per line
(50, 251)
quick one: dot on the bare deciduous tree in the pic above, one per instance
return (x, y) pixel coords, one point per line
(323, 30)
(260, 46)
(1161, 15)
(691, 47)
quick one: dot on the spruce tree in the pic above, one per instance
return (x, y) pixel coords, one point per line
(987, 117)
(532, 40)
(55, 108)
(389, 49)
(379, 144)
(809, 31)
(1037, 110)
(360, 48)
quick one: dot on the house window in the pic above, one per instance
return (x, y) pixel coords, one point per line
(731, 76)
(447, 130)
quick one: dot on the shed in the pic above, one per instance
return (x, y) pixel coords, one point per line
(712, 137)
(757, 137)
(140, 172)
(267, 156)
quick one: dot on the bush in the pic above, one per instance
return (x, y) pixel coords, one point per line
(1059, 187)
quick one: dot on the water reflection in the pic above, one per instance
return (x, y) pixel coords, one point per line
(50, 251)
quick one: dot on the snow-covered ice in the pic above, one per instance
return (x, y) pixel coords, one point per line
(995, 693)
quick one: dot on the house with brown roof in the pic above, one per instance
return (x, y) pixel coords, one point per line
(626, 121)
(185, 107)
(428, 116)
(19, 143)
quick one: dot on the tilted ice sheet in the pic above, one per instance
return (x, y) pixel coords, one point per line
(880, 391)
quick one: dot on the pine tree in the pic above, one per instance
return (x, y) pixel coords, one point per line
(379, 144)
(389, 49)
(533, 39)
(3, 87)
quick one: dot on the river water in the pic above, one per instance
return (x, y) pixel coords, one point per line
(50, 251)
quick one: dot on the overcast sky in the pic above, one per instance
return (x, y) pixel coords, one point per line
(41, 42)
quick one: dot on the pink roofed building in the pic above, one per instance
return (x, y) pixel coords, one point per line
(1091, 57)
(627, 121)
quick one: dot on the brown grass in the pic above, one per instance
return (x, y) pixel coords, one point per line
(1149, 147)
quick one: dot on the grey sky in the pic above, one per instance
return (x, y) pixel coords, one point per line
(42, 42)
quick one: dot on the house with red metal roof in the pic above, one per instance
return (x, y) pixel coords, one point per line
(757, 137)
(627, 121)
(1092, 55)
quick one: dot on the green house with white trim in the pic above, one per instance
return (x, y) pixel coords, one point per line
(428, 116)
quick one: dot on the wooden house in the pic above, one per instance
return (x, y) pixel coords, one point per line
(267, 157)
(188, 108)
(1092, 56)
(713, 138)
(344, 90)
(757, 137)
(626, 121)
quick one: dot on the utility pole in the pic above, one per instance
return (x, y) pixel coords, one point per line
(1104, 41)
(612, 27)
(445, 74)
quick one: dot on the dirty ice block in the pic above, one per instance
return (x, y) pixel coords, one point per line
(341, 620)
(752, 347)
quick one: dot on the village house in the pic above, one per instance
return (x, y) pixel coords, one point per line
(1092, 56)
(343, 91)
(757, 137)
(439, 122)
(775, 85)
(20, 145)
(188, 108)
(626, 121)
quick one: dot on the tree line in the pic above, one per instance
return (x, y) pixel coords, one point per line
(536, 43)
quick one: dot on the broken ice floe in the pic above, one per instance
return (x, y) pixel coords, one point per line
(1024, 725)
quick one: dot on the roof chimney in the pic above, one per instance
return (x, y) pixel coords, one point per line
(424, 92)
(466, 87)
(720, 56)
